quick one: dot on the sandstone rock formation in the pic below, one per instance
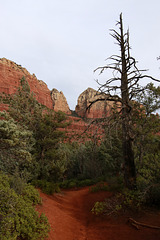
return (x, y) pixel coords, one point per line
(59, 101)
(97, 110)
(10, 76)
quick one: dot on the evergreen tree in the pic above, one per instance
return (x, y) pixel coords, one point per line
(46, 126)
(16, 143)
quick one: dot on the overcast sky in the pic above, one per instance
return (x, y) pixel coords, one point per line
(63, 41)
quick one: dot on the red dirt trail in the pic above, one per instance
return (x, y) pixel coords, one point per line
(70, 217)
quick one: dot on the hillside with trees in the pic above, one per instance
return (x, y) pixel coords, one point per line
(37, 151)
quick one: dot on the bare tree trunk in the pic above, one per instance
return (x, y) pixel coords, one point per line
(129, 165)
(125, 80)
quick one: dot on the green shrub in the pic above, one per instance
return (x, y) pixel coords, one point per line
(18, 218)
(115, 184)
(133, 200)
(85, 182)
(101, 186)
(125, 201)
(99, 208)
(22, 188)
(46, 187)
(71, 183)
(64, 184)
(31, 194)
(16, 183)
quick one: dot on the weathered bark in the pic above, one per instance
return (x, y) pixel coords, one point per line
(128, 154)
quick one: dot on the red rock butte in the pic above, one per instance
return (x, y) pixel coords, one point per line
(11, 74)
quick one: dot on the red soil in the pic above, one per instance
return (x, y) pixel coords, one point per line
(70, 217)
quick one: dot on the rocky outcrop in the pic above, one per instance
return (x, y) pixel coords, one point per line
(98, 109)
(59, 101)
(10, 76)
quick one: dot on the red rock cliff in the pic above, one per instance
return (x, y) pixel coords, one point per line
(99, 109)
(59, 101)
(10, 75)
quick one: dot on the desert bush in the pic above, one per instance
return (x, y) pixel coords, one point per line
(148, 179)
(115, 183)
(77, 183)
(86, 182)
(101, 186)
(46, 187)
(72, 184)
(16, 144)
(149, 172)
(99, 208)
(119, 202)
(31, 194)
(88, 161)
(132, 200)
(20, 187)
(18, 218)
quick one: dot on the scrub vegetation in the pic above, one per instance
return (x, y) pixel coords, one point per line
(34, 150)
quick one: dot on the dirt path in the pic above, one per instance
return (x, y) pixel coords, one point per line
(70, 216)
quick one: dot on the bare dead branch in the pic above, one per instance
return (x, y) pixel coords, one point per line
(107, 67)
(152, 78)
(135, 223)
(115, 32)
(110, 98)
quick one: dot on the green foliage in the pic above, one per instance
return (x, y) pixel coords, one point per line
(148, 169)
(88, 161)
(18, 218)
(86, 182)
(29, 193)
(23, 106)
(150, 98)
(149, 173)
(101, 186)
(32, 121)
(99, 208)
(20, 187)
(115, 183)
(72, 184)
(48, 151)
(47, 187)
(126, 200)
(132, 200)
(16, 143)
(75, 183)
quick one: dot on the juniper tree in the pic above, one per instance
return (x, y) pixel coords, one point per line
(16, 143)
(46, 127)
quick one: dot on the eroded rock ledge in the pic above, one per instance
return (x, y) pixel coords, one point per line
(11, 74)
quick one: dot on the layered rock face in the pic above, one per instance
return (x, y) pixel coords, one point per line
(59, 101)
(10, 76)
(98, 109)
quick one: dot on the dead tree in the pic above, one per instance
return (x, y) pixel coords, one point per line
(123, 87)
